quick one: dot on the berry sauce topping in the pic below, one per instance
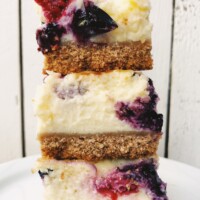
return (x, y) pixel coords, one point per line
(70, 92)
(141, 114)
(53, 9)
(130, 178)
(91, 21)
(49, 37)
(46, 173)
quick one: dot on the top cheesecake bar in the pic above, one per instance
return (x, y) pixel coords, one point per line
(94, 35)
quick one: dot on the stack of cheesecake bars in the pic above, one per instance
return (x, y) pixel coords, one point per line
(97, 120)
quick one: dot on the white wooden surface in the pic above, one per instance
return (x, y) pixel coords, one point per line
(184, 105)
(10, 120)
(185, 102)
(32, 64)
(161, 18)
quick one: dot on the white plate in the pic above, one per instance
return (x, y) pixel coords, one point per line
(18, 183)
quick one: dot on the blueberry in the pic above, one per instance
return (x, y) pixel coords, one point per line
(43, 174)
(71, 91)
(141, 114)
(49, 37)
(145, 174)
(91, 21)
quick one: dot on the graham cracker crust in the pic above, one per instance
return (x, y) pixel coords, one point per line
(99, 146)
(74, 58)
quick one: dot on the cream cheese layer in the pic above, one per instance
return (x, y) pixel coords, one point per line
(131, 16)
(87, 103)
(105, 180)
(76, 180)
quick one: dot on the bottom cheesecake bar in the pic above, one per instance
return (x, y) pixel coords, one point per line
(104, 180)
(127, 145)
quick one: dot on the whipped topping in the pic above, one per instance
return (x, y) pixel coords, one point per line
(84, 103)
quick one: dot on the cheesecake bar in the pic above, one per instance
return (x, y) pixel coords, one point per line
(104, 180)
(94, 35)
(96, 116)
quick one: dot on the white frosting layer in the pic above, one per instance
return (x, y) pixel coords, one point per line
(75, 180)
(85, 103)
(132, 17)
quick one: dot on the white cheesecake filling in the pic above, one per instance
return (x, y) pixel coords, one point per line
(131, 16)
(72, 180)
(84, 103)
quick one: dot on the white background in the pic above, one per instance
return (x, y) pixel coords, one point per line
(176, 75)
